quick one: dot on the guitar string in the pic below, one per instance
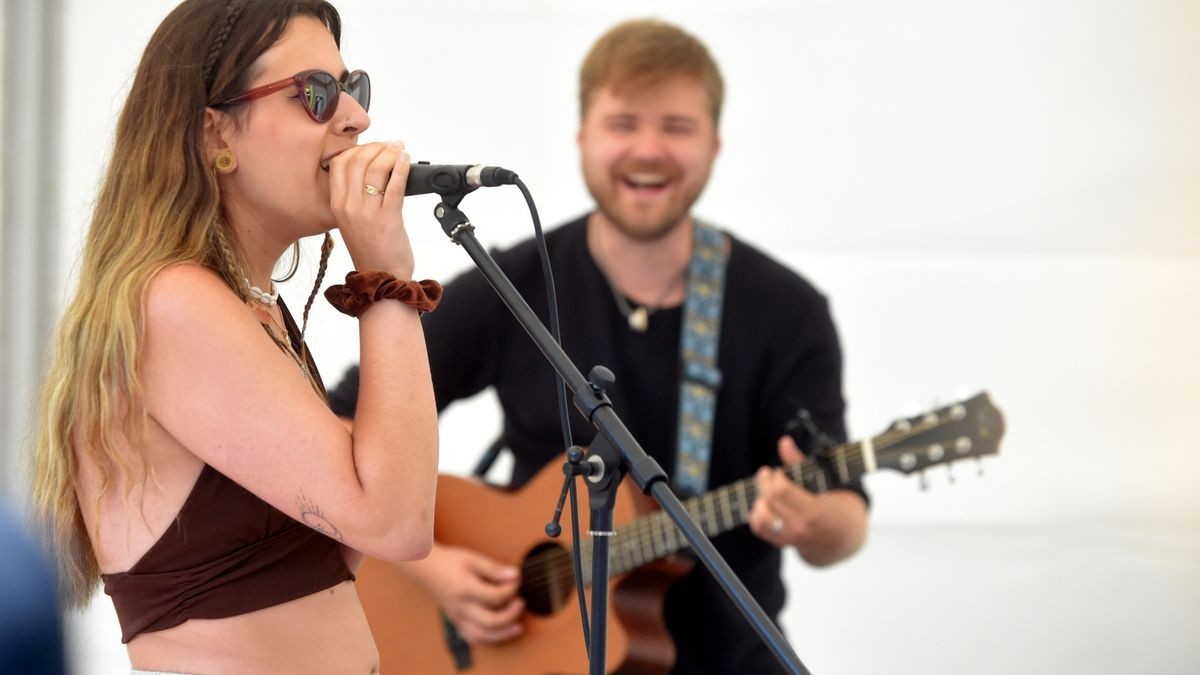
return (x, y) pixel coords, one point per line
(654, 536)
(641, 545)
(647, 537)
(641, 541)
(644, 537)
(553, 569)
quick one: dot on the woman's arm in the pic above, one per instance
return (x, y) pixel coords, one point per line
(213, 379)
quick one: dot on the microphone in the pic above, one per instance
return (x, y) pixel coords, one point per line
(450, 179)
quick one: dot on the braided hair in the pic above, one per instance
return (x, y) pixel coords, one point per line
(233, 9)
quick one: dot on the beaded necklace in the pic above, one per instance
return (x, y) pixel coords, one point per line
(259, 295)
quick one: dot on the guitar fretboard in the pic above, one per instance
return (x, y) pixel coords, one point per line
(654, 536)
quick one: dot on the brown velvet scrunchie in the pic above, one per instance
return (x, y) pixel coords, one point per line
(363, 288)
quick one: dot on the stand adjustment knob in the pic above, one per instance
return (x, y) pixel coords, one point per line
(601, 378)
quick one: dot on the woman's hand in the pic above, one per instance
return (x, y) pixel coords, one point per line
(372, 225)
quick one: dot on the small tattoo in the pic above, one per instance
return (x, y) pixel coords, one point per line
(311, 515)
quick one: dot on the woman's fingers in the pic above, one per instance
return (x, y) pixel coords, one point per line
(398, 180)
(367, 195)
(377, 175)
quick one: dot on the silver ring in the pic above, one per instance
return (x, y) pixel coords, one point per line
(372, 190)
(777, 525)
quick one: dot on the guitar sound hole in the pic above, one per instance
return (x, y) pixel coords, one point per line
(547, 579)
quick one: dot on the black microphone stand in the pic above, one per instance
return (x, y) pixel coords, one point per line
(617, 452)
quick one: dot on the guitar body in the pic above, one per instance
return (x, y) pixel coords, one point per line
(509, 527)
(638, 603)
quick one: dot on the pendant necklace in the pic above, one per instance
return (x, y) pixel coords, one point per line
(262, 305)
(638, 317)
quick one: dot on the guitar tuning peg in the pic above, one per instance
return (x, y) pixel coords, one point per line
(924, 482)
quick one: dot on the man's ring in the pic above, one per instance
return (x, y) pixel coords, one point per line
(372, 190)
(777, 525)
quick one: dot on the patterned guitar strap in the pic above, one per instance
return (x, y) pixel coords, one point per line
(700, 378)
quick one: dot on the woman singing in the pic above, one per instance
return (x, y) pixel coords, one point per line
(185, 456)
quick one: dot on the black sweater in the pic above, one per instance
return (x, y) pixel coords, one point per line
(778, 350)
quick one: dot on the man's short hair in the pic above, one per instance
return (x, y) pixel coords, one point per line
(639, 54)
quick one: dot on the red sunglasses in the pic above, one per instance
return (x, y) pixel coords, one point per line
(319, 92)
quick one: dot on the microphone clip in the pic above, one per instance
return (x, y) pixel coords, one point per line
(454, 222)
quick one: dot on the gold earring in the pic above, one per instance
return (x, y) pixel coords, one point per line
(225, 162)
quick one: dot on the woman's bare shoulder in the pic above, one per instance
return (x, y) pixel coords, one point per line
(185, 283)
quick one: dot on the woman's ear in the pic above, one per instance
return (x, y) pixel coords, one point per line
(217, 128)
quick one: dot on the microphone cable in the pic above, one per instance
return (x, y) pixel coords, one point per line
(563, 411)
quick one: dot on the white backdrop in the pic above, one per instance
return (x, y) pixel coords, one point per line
(994, 194)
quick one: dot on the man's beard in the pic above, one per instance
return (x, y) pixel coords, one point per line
(644, 232)
(635, 227)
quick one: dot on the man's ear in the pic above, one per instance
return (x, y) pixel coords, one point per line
(218, 127)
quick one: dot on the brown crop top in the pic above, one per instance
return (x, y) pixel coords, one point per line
(227, 553)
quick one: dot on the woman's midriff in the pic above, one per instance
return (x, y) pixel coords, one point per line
(325, 632)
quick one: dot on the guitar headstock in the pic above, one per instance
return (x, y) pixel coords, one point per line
(971, 428)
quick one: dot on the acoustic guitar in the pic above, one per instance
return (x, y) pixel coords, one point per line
(414, 637)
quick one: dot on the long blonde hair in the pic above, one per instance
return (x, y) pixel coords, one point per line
(159, 204)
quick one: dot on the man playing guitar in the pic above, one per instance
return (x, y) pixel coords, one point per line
(650, 97)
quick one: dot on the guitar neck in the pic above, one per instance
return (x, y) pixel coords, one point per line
(970, 428)
(655, 536)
